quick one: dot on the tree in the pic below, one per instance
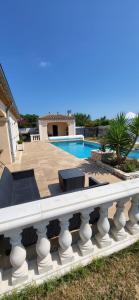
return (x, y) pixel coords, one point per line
(103, 121)
(81, 119)
(134, 130)
(122, 135)
(28, 120)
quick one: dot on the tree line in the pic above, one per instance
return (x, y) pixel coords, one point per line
(31, 120)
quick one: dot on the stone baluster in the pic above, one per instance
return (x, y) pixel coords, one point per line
(44, 260)
(17, 257)
(0, 275)
(102, 237)
(118, 230)
(132, 224)
(85, 233)
(65, 240)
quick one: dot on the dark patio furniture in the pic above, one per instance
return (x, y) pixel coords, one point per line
(71, 179)
(17, 187)
(95, 183)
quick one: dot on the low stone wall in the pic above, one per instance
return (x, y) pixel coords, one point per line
(118, 173)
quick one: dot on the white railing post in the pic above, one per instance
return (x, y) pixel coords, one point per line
(65, 240)
(85, 244)
(102, 237)
(132, 224)
(17, 257)
(44, 260)
(119, 220)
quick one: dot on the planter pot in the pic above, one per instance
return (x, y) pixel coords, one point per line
(100, 155)
(20, 147)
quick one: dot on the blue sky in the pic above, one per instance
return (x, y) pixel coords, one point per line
(81, 55)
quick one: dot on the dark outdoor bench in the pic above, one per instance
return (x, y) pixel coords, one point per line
(21, 187)
(17, 187)
(95, 183)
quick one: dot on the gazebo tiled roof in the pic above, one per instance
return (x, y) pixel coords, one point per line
(53, 117)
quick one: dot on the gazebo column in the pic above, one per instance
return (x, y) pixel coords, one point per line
(43, 130)
(71, 128)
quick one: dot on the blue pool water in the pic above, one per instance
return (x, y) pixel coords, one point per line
(134, 154)
(83, 149)
(79, 149)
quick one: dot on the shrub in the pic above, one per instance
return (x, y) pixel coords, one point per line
(20, 142)
(130, 166)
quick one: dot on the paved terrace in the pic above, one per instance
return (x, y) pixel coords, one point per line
(46, 160)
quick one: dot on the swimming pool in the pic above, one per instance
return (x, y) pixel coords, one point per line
(82, 149)
(79, 149)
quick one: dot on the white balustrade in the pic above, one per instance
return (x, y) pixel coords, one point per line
(44, 259)
(110, 237)
(102, 237)
(132, 224)
(85, 244)
(17, 257)
(65, 240)
(35, 137)
(118, 230)
(0, 275)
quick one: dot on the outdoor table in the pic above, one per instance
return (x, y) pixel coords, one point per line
(71, 179)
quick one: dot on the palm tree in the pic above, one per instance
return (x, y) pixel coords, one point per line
(134, 132)
(119, 137)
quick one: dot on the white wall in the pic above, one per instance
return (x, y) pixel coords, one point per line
(11, 133)
(14, 133)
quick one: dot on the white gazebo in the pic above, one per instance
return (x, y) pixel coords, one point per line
(54, 125)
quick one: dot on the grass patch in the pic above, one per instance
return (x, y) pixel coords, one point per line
(113, 277)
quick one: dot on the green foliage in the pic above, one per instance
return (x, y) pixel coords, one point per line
(122, 135)
(82, 119)
(101, 122)
(130, 166)
(20, 142)
(85, 120)
(28, 120)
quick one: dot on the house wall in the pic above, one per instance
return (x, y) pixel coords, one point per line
(13, 132)
(8, 135)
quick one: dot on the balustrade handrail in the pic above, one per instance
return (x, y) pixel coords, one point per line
(51, 208)
(35, 134)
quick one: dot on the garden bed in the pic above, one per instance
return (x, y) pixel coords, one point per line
(118, 172)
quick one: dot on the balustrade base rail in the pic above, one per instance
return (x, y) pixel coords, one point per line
(59, 269)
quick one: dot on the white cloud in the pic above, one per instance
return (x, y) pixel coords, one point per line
(44, 64)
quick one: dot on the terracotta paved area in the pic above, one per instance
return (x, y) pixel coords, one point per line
(46, 160)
